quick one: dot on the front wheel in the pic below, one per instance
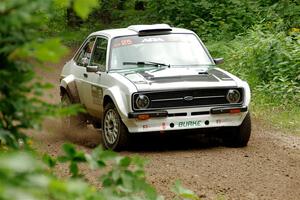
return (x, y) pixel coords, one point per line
(114, 132)
(239, 136)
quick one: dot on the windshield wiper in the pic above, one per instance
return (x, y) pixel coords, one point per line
(156, 64)
(196, 65)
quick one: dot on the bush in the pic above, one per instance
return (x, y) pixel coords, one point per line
(212, 20)
(269, 61)
(124, 180)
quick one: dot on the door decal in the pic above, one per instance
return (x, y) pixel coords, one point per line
(97, 94)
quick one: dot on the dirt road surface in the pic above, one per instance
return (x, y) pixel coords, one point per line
(268, 168)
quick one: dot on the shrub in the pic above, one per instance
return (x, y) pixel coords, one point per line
(269, 61)
(124, 180)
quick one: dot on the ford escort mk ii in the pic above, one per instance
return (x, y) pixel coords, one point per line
(153, 78)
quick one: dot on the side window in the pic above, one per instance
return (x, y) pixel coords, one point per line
(99, 54)
(85, 53)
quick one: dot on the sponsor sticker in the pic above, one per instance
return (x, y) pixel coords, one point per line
(97, 94)
(126, 42)
(193, 123)
(163, 126)
(152, 40)
(145, 126)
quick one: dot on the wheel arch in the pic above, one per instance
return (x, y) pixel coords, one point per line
(115, 96)
(68, 86)
(106, 100)
(62, 91)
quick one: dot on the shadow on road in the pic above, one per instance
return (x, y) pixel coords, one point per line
(173, 141)
(148, 142)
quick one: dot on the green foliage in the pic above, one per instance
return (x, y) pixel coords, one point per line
(183, 193)
(268, 61)
(125, 178)
(47, 50)
(283, 117)
(24, 177)
(23, 48)
(223, 20)
(211, 19)
(74, 157)
(83, 7)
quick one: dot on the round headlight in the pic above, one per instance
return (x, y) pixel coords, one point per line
(233, 96)
(142, 101)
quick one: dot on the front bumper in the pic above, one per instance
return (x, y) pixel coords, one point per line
(168, 121)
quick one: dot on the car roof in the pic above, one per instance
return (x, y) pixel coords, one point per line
(134, 30)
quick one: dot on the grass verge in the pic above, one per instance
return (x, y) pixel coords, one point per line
(279, 116)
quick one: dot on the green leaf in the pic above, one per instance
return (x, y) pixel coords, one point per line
(125, 162)
(7, 138)
(19, 162)
(73, 169)
(48, 50)
(183, 192)
(150, 193)
(84, 7)
(108, 155)
(63, 159)
(69, 149)
(138, 161)
(79, 157)
(107, 182)
(51, 162)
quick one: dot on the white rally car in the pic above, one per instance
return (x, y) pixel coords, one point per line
(153, 78)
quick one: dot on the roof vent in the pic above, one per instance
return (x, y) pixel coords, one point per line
(150, 29)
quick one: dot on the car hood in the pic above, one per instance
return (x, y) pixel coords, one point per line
(173, 78)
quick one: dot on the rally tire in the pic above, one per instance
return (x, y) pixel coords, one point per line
(238, 136)
(114, 133)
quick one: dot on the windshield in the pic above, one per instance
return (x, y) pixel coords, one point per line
(167, 50)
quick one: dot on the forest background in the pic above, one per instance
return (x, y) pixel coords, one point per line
(259, 39)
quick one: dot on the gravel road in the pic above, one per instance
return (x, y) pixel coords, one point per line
(268, 168)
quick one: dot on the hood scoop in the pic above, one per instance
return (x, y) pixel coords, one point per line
(220, 75)
(202, 77)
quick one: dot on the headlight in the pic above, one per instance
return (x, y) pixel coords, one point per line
(142, 102)
(233, 96)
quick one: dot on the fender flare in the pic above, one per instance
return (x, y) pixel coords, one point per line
(68, 84)
(119, 99)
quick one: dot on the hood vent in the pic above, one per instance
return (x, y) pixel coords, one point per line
(165, 79)
(220, 75)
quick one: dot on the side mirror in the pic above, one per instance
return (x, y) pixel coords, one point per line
(84, 61)
(219, 61)
(92, 68)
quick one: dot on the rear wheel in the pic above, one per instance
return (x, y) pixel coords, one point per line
(114, 132)
(239, 136)
(73, 121)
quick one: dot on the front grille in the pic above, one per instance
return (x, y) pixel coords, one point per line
(187, 98)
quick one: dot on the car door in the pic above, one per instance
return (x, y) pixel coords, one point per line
(81, 60)
(94, 81)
